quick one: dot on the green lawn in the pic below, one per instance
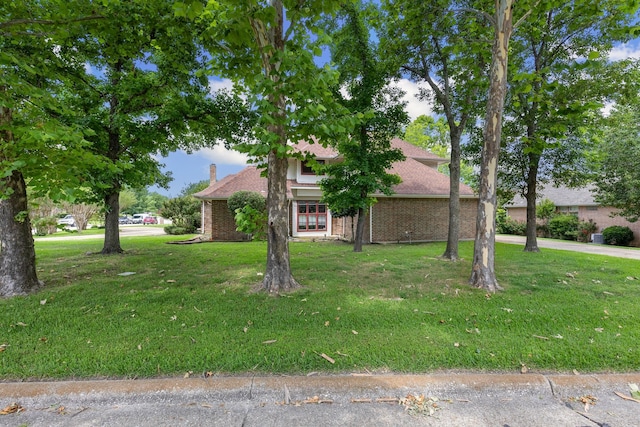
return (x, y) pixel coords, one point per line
(194, 308)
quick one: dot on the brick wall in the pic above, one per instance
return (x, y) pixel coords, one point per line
(424, 219)
(600, 216)
(219, 223)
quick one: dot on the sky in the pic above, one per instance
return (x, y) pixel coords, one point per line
(191, 168)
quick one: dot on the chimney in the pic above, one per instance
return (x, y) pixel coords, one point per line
(212, 174)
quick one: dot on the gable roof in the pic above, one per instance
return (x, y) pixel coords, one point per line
(417, 171)
(560, 196)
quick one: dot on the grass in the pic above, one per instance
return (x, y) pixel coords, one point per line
(193, 308)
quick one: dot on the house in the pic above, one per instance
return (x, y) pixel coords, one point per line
(417, 211)
(576, 201)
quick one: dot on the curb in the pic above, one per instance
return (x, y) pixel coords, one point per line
(440, 383)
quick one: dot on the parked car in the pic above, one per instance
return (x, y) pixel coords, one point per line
(67, 220)
(124, 220)
(149, 220)
(138, 218)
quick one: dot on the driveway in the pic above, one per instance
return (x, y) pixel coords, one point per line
(565, 245)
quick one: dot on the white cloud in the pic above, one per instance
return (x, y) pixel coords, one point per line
(415, 107)
(625, 51)
(216, 85)
(220, 155)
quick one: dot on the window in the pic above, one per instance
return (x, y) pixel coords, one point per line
(312, 216)
(308, 170)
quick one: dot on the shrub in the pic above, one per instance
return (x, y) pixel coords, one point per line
(617, 235)
(177, 230)
(252, 222)
(585, 230)
(45, 225)
(564, 227)
(183, 211)
(240, 199)
(511, 226)
(249, 209)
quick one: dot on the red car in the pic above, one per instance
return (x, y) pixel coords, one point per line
(149, 220)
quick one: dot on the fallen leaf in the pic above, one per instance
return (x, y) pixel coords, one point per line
(3, 347)
(43, 302)
(631, 278)
(456, 344)
(21, 324)
(558, 336)
(269, 341)
(599, 329)
(635, 392)
(326, 323)
(354, 332)
(571, 275)
(523, 368)
(170, 281)
(127, 273)
(14, 408)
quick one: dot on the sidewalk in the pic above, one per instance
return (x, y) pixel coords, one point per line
(566, 245)
(461, 399)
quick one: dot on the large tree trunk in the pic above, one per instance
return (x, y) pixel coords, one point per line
(453, 235)
(362, 217)
(483, 271)
(278, 275)
(531, 245)
(17, 252)
(111, 224)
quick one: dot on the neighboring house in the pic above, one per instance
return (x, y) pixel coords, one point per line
(576, 201)
(418, 211)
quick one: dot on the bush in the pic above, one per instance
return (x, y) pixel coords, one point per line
(617, 235)
(511, 226)
(177, 230)
(585, 230)
(45, 225)
(240, 199)
(183, 212)
(564, 227)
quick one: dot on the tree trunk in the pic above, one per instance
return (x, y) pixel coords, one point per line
(362, 218)
(17, 252)
(483, 271)
(278, 275)
(453, 235)
(112, 224)
(531, 245)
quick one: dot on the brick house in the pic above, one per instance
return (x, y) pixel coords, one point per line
(417, 211)
(576, 201)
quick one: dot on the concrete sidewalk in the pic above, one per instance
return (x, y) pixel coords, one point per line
(567, 245)
(456, 399)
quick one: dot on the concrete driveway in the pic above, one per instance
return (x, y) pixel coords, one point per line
(565, 245)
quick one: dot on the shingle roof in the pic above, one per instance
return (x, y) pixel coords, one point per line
(560, 196)
(418, 179)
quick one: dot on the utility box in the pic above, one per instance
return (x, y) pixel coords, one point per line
(597, 238)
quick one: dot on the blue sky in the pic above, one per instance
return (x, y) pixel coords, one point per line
(190, 168)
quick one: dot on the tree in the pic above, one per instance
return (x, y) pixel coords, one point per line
(34, 145)
(367, 155)
(618, 165)
(148, 99)
(272, 62)
(438, 42)
(556, 92)
(433, 136)
(194, 187)
(483, 269)
(184, 212)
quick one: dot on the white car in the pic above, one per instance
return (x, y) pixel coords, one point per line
(67, 220)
